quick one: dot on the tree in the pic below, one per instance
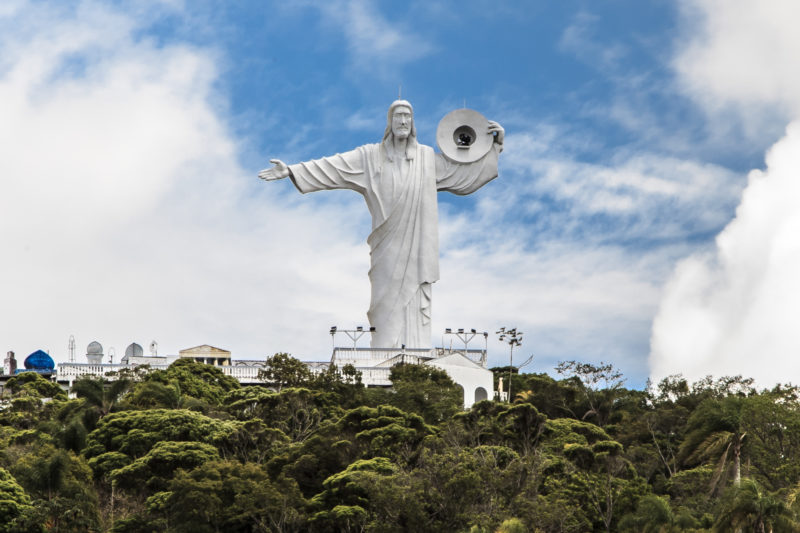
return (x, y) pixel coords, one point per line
(512, 525)
(607, 482)
(522, 426)
(97, 398)
(218, 496)
(477, 426)
(297, 412)
(34, 384)
(463, 487)
(102, 395)
(771, 420)
(282, 370)
(426, 391)
(585, 470)
(600, 401)
(155, 394)
(185, 384)
(13, 502)
(555, 399)
(653, 515)
(345, 383)
(253, 441)
(134, 433)
(715, 433)
(155, 469)
(383, 431)
(746, 507)
(59, 484)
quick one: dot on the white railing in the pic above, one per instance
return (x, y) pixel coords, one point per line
(366, 361)
(375, 377)
(76, 370)
(368, 357)
(476, 356)
(72, 371)
(245, 374)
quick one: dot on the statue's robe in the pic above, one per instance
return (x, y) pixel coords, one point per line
(400, 191)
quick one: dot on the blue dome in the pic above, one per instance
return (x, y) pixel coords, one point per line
(39, 360)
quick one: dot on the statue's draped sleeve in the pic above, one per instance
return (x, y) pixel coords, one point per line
(467, 178)
(340, 171)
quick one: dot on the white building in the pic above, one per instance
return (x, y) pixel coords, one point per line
(465, 367)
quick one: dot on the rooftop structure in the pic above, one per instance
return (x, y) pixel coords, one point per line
(207, 354)
(39, 361)
(10, 364)
(94, 353)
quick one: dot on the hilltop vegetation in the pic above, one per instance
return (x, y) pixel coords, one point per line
(189, 450)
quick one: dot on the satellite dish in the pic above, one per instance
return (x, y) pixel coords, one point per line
(463, 136)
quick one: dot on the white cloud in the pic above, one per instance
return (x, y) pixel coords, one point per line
(572, 301)
(647, 195)
(126, 216)
(376, 45)
(579, 38)
(734, 311)
(742, 54)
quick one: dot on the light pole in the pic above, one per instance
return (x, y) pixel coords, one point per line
(513, 338)
(354, 334)
(466, 337)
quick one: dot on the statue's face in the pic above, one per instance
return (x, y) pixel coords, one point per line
(401, 122)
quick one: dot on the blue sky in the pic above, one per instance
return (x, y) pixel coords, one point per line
(135, 132)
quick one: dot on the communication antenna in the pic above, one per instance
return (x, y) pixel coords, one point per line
(400, 92)
(71, 348)
(153, 348)
(111, 354)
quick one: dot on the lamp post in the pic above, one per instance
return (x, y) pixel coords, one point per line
(513, 338)
(354, 334)
(466, 337)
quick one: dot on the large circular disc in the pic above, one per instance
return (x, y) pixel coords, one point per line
(463, 136)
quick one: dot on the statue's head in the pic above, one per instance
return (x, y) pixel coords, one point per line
(400, 125)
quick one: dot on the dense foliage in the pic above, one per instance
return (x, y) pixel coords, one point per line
(188, 449)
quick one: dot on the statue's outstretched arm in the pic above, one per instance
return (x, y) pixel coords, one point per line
(279, 171)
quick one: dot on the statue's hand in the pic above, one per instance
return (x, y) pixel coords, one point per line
(279, 171)
(497, 130)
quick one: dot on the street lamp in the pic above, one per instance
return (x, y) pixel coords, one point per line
(513, 338)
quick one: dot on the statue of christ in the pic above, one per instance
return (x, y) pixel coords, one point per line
(398, 179)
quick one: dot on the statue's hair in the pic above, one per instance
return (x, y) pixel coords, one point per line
(388, 137)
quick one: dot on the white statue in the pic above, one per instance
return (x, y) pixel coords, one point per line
(399, 179)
